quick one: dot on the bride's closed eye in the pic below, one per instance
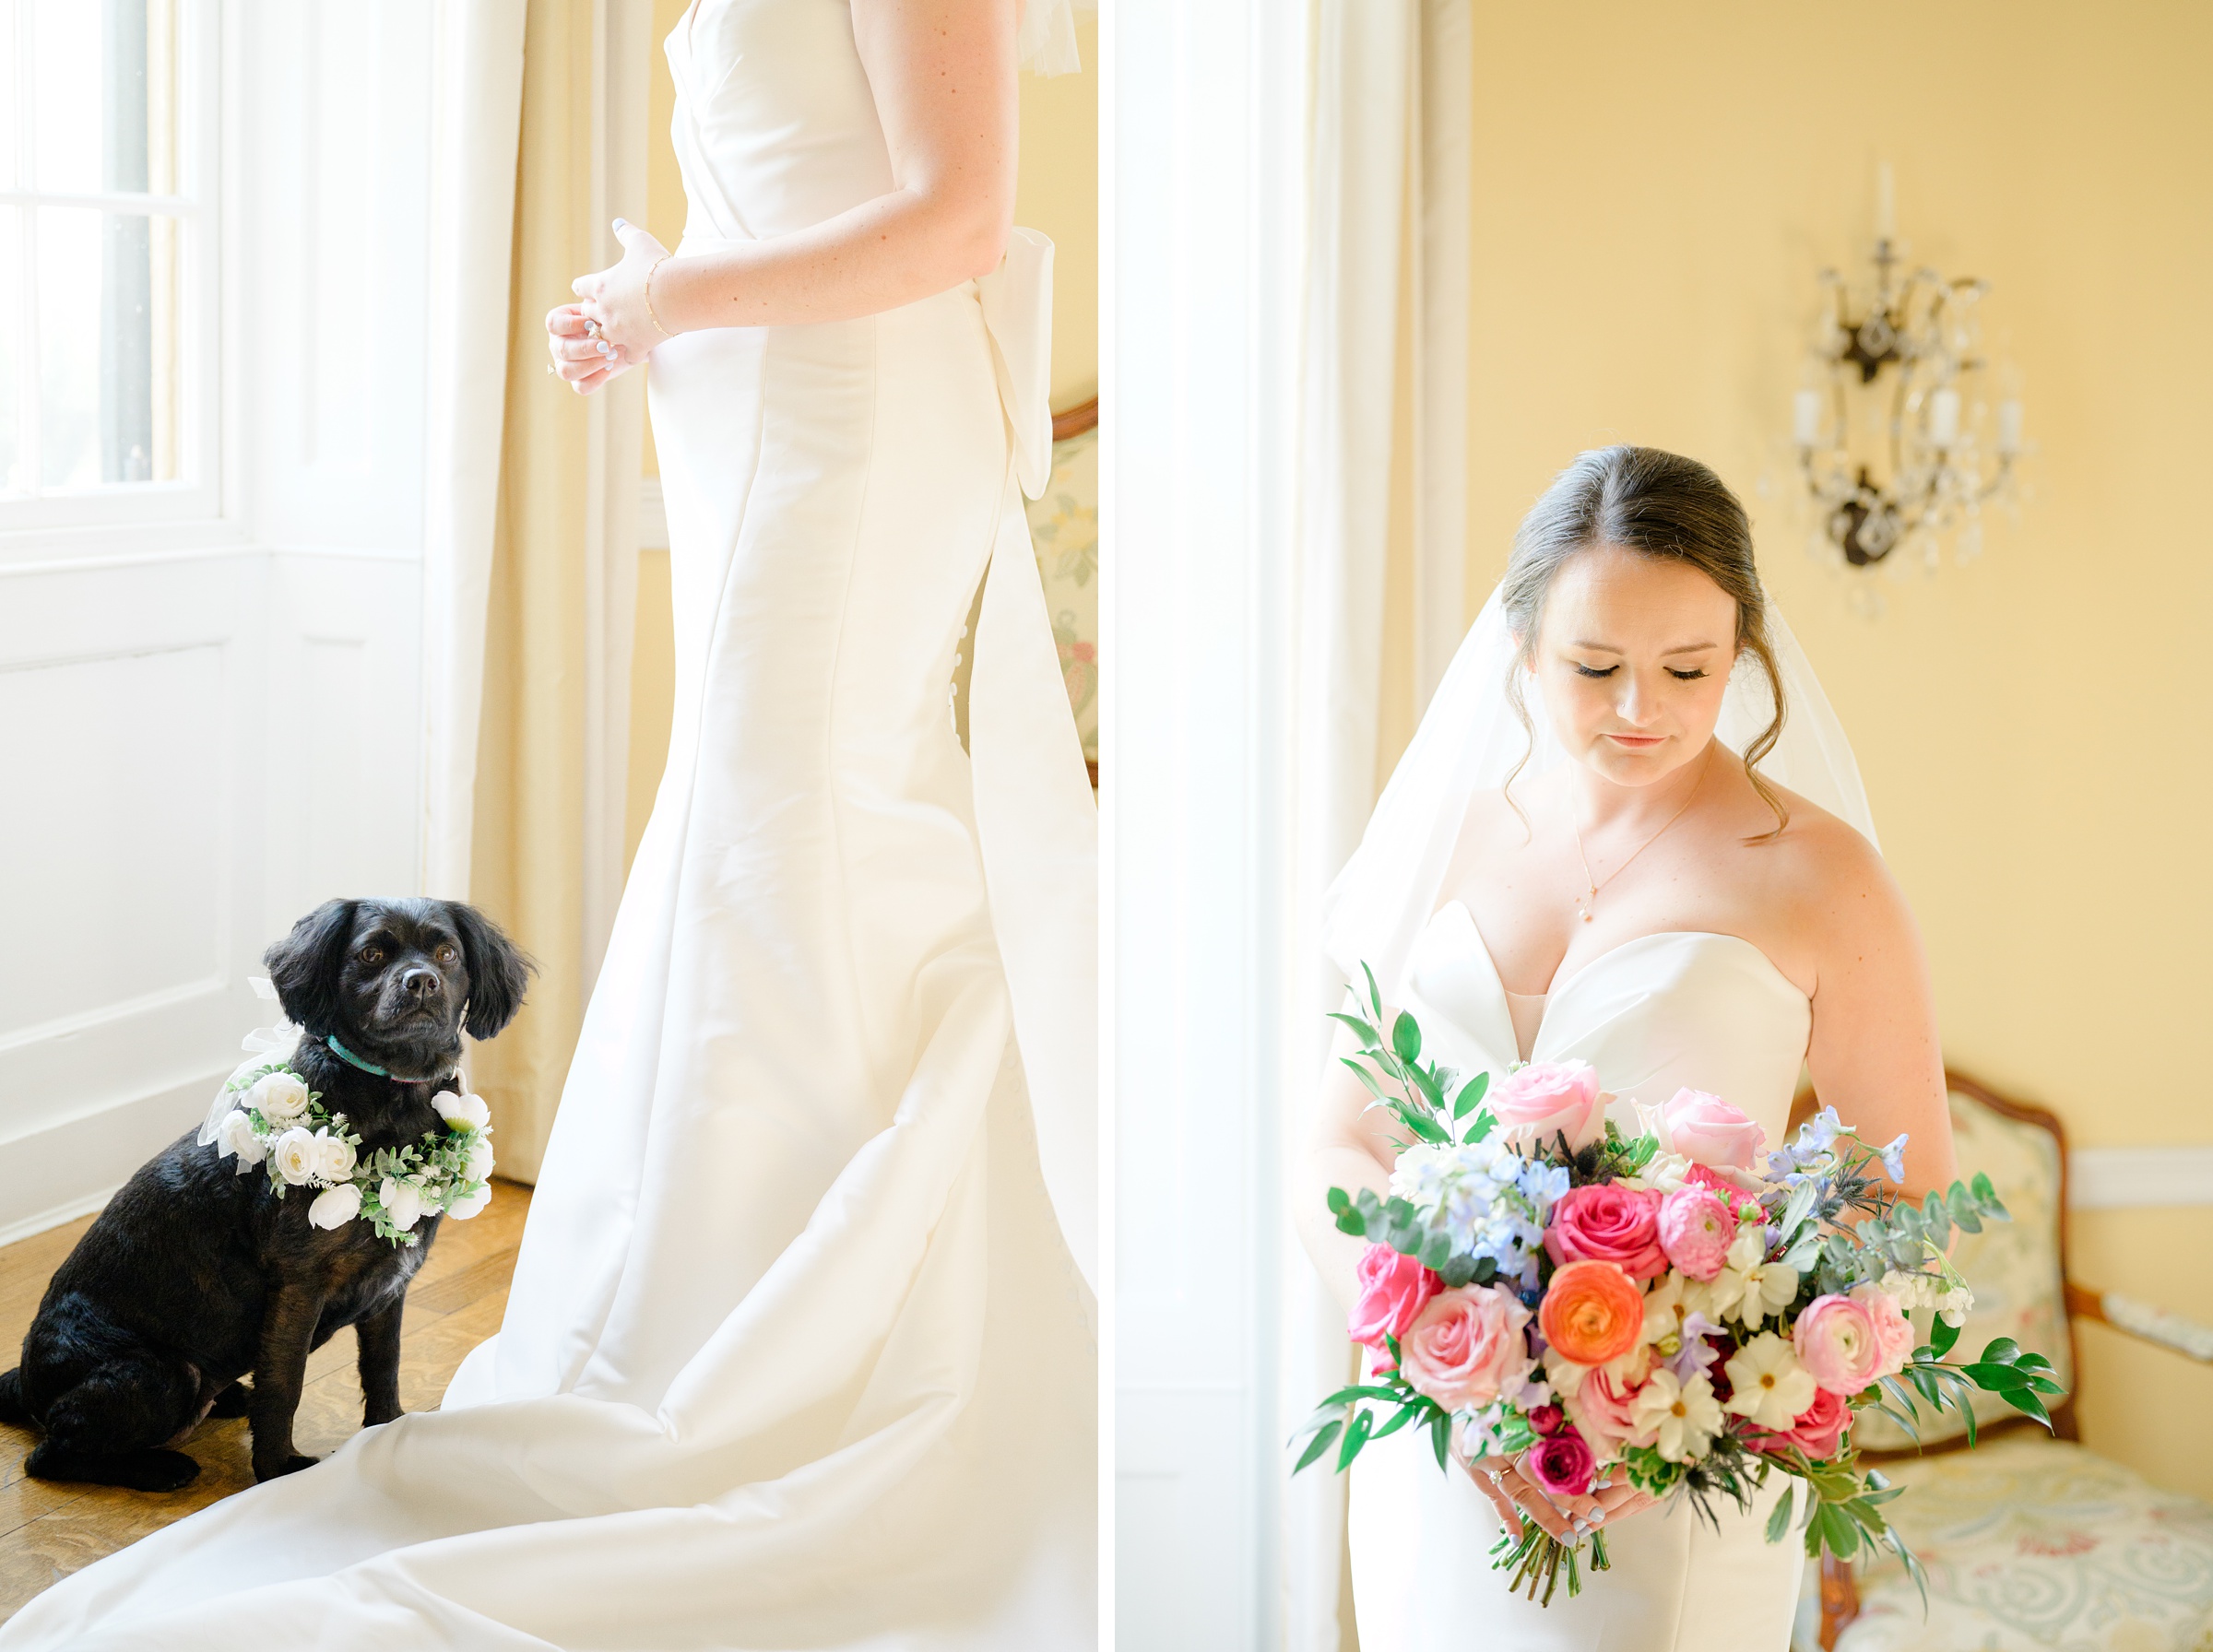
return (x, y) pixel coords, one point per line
(1609, 670)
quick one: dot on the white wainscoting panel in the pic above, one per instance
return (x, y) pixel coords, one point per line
(2135, 1178)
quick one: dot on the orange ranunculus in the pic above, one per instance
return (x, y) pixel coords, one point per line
(1593, 1312)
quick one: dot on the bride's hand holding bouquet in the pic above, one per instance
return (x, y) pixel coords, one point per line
(1593, 1322)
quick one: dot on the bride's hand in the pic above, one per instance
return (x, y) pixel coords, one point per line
(617, 298)
(580, 357)
(1570, 1519)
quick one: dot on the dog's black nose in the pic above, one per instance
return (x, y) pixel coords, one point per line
(421, 983)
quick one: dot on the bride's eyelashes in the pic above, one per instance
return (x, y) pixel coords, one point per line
(1609, 670)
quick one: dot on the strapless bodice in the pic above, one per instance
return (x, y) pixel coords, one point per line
(775, 125)
(1653, 1015)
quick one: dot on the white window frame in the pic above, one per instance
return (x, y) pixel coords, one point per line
(82, 522)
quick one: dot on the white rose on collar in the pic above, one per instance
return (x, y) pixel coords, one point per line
(335, 1157)
(335, 1207)
(461, 1210)
(297, 1155)
(235, 1135)
(402, 1202)
(278, 1096)
(478, 1167)
(462, 1111)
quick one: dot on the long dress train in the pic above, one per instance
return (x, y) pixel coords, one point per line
(795, 1354)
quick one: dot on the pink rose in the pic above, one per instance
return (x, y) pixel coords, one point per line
(1606, 1223)
(1561, 1465)
(1546, 1420)
(1837, 1342)
(1816, 1432)
(1707, 1130)
(1695, 1230)
(1467, 1346)
(1393, 1289)
(1600, 1407)
(1893, 1330)
(1547, 1099)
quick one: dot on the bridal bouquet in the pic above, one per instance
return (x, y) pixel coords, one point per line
(1595, 1303)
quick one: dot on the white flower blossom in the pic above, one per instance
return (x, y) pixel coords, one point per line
(235, 1136)
(297, 1155)
(461, 1210)
(1954, 1305)
(402, 1202)
(335, 1157)
(1751, 1288)
(462, 1111)
(1676, 1418)
(335, 1207)
(279, 1097)
(478, 1166)
(1767, 1384)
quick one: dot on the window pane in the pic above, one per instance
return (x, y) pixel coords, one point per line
(12, 480)
(105, 95)
(107, 348)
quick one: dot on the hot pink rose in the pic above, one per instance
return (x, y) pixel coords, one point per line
(1816, 1430)
(1837, 1342)
(1467, 1346)
(1695, 1230)
(1607, 1223)
(1707, 1130)
(1393, 1289)
(1893, 1330)
(1546, 1420)
(1546, 1099)
(1561, 1465)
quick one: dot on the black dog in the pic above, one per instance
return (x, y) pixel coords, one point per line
(195, 1276)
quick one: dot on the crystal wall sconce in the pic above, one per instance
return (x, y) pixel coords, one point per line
(1896, 369)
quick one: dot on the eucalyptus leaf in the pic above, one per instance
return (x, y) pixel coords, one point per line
(1319, 1444)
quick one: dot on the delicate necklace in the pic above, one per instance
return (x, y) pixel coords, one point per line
(1584, 905)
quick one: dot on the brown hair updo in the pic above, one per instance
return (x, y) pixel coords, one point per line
(1656, 504)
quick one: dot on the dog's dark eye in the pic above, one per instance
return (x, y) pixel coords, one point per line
(372, 954)
(447, 953)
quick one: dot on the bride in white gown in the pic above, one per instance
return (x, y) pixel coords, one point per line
(1576, 860)
(797, 1354)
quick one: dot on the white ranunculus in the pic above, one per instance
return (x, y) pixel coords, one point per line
(297, 1155)
(235, 1136)
(335, 1207)
(462, 1111)
(461, 1210)
(335, 1157)
(478, 1166)
(278, 1096)
(402, 1202)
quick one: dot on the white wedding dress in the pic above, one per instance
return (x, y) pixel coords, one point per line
(1652, 1015)
(795, 1354)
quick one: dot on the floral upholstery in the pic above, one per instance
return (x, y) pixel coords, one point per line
(1064, 526)
(2013, 1267)
(2038, 1544)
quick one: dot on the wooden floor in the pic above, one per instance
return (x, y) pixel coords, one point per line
(48, 1532)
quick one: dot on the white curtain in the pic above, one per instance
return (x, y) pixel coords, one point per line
(1391, 138)
(475, 122)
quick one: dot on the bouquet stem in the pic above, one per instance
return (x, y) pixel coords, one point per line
(1537, 1558)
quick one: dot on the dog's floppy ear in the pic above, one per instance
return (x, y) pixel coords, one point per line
(303, 966)
(498, 972)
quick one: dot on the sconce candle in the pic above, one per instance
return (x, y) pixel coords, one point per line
(1944, 418)
(1807, 413)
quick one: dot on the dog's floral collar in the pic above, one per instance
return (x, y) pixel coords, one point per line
(267, 1116)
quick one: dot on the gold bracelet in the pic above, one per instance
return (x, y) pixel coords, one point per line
(649, 310)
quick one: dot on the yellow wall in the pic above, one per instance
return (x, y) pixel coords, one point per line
(1655, 189)
(1057, 193)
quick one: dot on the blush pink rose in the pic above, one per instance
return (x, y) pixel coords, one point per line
(1707, 1130)
(1393, 1289)
(1467, 1346)
(1547, 1099)
(1695, 1230)
(1606, 1223)
(1816, 1431)
(1893, 1330)
(1837, 1342)
(1600, 1405)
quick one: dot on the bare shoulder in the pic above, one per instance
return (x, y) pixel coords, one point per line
(1840, 896)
